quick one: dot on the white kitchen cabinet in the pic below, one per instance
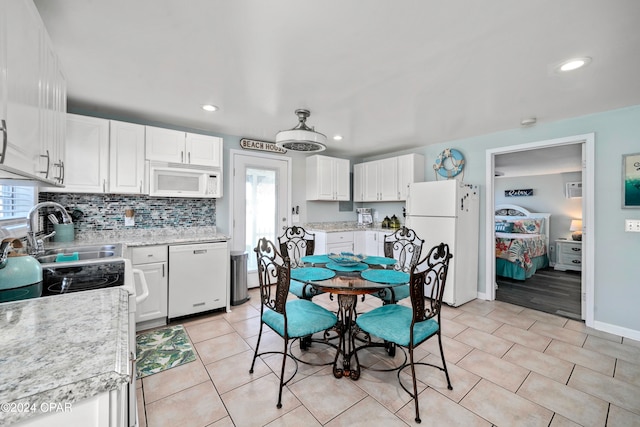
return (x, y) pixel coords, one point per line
(359, 242)
(410, 170)
(87, 155)
(153, 261)
(374, 241)
(333, 242)
(106, 409)
(31, 82)
(167, 145)
(198, 278)
(387, 180)
(327, 178)
(358, 182)
(126, 157)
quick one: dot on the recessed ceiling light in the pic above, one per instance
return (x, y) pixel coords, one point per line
(337, 137)
(209, 107)
(574, 64)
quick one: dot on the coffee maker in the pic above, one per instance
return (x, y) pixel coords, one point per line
(365, 217)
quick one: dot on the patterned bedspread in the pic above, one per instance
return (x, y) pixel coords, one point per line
(520, 248)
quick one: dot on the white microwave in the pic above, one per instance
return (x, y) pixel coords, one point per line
(180, 180)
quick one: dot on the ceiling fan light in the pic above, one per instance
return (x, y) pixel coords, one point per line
(301, 137)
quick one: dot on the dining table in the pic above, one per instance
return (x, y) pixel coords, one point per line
(348, 281)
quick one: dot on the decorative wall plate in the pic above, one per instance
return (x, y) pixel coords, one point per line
(449, 163)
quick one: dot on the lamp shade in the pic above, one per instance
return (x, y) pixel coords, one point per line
(576, 225)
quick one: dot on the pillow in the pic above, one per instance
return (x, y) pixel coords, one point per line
(504, 227)
(527, 226)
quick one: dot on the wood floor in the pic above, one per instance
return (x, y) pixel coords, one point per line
(551, 291)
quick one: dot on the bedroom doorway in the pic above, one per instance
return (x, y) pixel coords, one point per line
(547, 277)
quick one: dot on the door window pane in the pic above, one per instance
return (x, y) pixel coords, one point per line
(260, 210)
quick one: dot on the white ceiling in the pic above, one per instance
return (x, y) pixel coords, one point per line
(541, 161)
(386, 75)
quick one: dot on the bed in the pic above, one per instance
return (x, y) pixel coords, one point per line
(522, 241)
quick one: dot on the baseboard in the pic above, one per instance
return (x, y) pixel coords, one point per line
(482, 295)
(617, 330)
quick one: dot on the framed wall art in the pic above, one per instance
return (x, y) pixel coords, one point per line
(631, 181)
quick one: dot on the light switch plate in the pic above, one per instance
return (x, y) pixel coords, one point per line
(632, 225)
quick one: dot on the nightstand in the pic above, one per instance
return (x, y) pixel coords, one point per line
(568, 255)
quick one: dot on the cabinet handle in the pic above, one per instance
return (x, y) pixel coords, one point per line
(189, 155)
(182, 157)
(162, 270)
(104, 185)
(46, 173)
(132, 359)
(198, 304)
(576, 261)
(60, 176)
(141, 186)
(3, 128)
(576, 249)
(199, 251)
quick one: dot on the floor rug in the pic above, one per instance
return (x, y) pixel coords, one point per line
(163, 349)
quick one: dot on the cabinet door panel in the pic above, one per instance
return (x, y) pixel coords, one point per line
(342, 179)
(388, 179)
(87, 154)
(126, 157)
(24, 38)
(155, 306)
(203, 150)
(165, 145)
(358, 182)
(371, 193)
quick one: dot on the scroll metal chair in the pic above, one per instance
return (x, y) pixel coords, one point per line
(290, 319)
(405, 247)
(409, 327)
(295, 243)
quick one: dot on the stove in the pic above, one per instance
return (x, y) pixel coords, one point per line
(64, 278)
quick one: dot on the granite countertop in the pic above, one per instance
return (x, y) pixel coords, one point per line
(332, 227)
(146, 236)
(61, 349)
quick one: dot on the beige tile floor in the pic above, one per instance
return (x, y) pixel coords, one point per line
(509, 366)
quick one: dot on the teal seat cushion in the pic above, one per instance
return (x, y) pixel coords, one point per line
(392, 323)
(299, 289)
(303, 318)
(399, 292)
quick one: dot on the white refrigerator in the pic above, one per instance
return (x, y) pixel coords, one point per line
(448, 211)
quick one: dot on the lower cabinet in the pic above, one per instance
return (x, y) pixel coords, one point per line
(198, 278)
(153, 261)
(568, 255)
(106, 409)
(334, 242)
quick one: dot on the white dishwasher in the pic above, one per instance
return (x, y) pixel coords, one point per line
(198, 278)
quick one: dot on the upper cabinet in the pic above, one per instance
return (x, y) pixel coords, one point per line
(87, 153)
(126, 157)
(387, 179)
(167, 145)
(33, 95)
(327, 178)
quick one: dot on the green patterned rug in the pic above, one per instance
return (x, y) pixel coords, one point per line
(163, 349)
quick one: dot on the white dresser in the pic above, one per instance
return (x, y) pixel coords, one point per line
(568, 255)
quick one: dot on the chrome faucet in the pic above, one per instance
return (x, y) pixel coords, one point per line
(35, 246)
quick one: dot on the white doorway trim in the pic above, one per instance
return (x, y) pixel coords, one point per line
(588, 183)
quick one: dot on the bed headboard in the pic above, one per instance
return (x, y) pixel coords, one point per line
(514, 212)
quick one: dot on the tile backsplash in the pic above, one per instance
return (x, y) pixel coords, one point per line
(100, 212)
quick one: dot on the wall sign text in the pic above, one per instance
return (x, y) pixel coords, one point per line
(519, 193)
(252, 144)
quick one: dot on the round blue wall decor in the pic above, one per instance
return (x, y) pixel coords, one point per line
(449, 163)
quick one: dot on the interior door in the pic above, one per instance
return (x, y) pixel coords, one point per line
(261, 203)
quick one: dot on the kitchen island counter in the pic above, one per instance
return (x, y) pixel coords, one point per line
(332, 227)
(59, 350)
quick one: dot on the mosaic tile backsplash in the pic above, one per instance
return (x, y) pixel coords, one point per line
(100, 212)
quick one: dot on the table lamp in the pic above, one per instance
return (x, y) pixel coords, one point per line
(576, 227)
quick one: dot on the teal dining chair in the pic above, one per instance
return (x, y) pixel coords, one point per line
(405, 247)
(293, 319)
(409, 327)
(295, 243)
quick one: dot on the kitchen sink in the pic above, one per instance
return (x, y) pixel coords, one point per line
(85, 253)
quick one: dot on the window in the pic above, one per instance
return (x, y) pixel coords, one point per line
(15, 203)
